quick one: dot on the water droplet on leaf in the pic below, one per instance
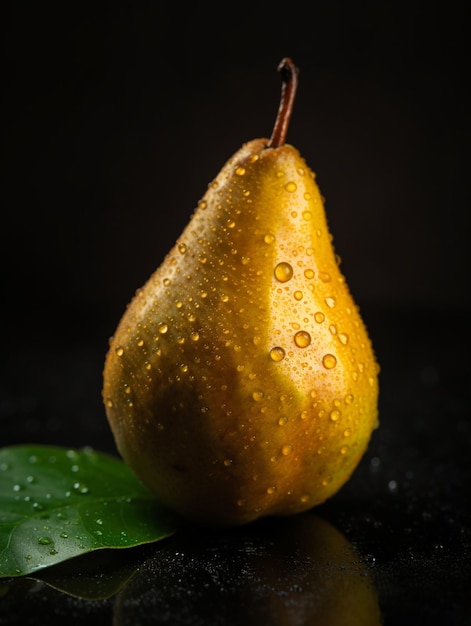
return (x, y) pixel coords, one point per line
(80, 488)
(44, 541)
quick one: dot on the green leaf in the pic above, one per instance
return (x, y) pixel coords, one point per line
(57, 503)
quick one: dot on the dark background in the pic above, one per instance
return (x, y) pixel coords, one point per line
(115, 120)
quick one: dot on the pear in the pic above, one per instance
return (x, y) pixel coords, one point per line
(241, 381)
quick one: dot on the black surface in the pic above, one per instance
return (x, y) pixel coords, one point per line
(115, 121)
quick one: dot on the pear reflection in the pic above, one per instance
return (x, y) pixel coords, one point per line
(287, 571)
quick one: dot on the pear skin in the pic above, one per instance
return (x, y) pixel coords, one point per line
(241, 381)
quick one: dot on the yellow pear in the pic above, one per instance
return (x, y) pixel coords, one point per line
(241, 381)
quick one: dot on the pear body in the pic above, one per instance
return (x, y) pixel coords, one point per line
(241, 381)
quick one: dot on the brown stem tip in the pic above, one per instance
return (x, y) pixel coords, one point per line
(289, 76)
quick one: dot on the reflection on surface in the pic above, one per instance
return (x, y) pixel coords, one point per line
(288, 571)
(291, 571)
(95, 576)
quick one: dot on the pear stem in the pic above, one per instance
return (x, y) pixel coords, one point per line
(289, 76)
